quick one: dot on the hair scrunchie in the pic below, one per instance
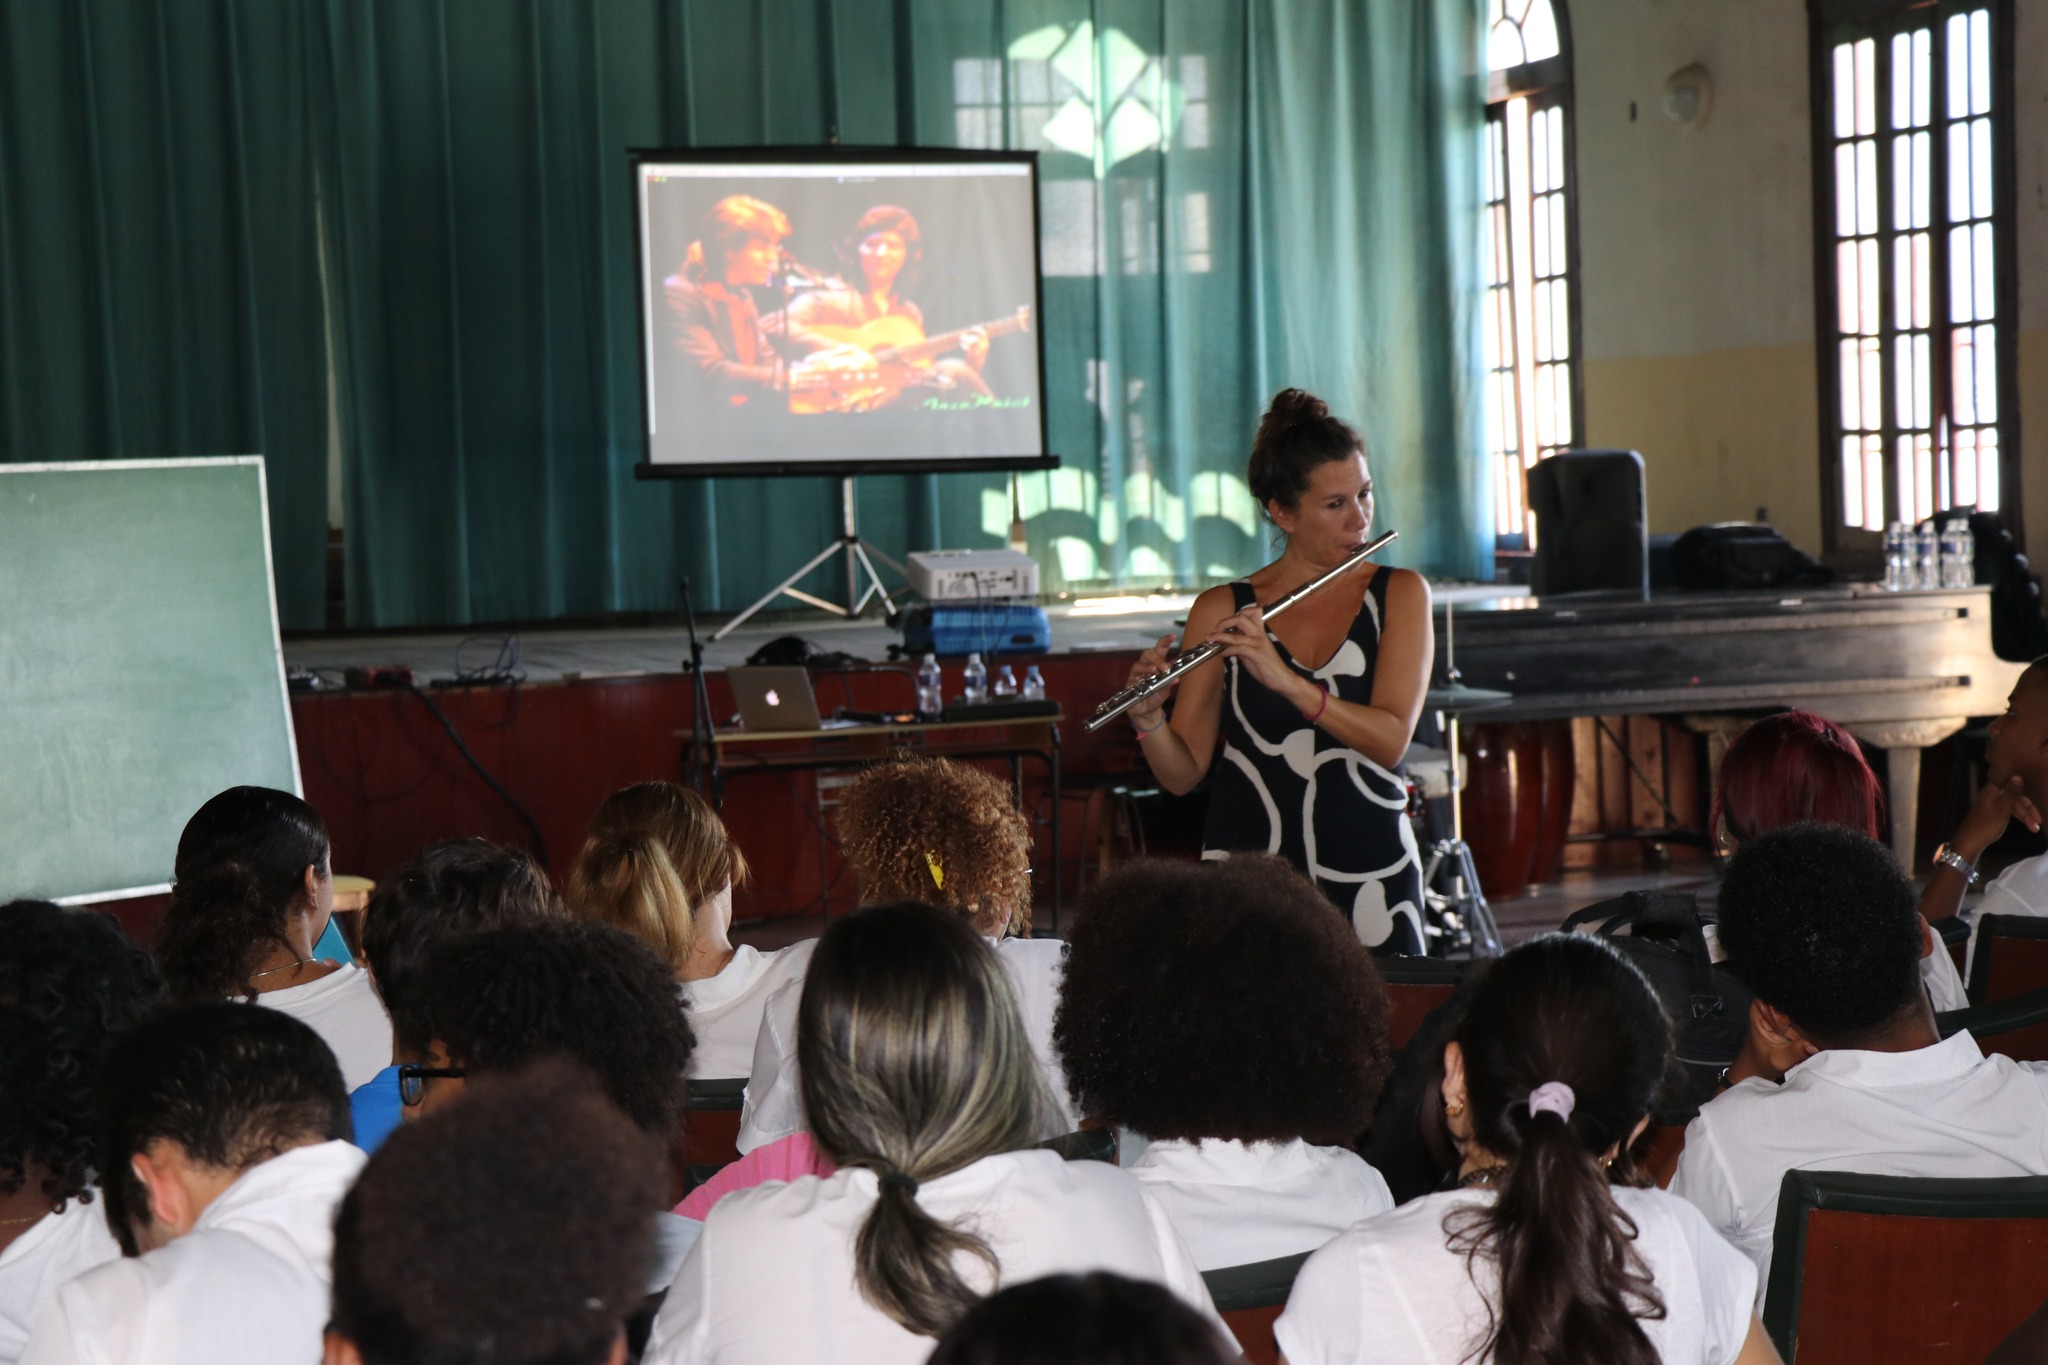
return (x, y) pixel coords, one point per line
(1553, 1097)
(899, 1180)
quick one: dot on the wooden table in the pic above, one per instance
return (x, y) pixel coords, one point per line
(736, 753)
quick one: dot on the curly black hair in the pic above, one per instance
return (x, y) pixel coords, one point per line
(452, 887)
(1099, 1319)
(233, 1084)
(70, 980)
(1822, 924)
(1221, 1000)
(533, 1257)
(503, 998)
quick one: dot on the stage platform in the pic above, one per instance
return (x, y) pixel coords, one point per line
(553, 654)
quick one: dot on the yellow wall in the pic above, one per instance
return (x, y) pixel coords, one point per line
(1722, 433)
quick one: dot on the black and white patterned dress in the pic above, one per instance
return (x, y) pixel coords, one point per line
(1287, 787)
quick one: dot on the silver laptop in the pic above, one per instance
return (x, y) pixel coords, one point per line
(778, 699)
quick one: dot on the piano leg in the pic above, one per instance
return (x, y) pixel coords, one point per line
(1902, 741)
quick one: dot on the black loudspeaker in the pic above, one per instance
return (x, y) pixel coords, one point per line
(1592, 523)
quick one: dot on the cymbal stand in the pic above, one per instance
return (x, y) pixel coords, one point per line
(1450, 881)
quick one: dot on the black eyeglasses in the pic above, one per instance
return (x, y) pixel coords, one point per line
(412, 1080)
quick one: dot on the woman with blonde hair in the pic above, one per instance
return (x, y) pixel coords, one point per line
(659, 864)
(920, 1085)
(947, 835)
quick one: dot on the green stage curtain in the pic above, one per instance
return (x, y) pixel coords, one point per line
(160, 289)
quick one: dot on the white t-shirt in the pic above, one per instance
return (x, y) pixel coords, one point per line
(1394, 1291)
(343, 1008)
(1943, 982)
(2021, 889)
(774, 1107)
(725, 1010)
(55, 1249)
(1945, 1110)
(772, 1278)
(1234, 1203)
(249, 1285)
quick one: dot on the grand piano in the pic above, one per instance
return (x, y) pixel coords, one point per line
(1899, 670)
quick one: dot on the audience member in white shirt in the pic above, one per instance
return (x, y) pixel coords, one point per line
(1843, 1070)
(437, 1257)
(939, 833)
(919, 1083)
(2015, 788)
(1544, 1252)
(69, 981)
(1220, 1010)
(502, 999)
(1797, 767)
(223, 1147)
(251, 896)
(1100, 1318)
(659, 864)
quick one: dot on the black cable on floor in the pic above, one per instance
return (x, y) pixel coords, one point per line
(540, 845)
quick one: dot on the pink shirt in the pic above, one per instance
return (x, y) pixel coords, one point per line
(784, 1159)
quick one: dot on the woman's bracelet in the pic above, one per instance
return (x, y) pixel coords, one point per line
(1321, 706)
(1141, 731)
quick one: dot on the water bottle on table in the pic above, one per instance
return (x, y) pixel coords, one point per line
(1034, 684)
(931, 693)
(1006, 682)
(1926, 557)
(1898, 569)
(976, 690)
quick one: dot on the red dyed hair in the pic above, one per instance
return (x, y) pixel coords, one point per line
(1794, 767)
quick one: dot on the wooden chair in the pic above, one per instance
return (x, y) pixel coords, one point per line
(2016, 1026)
(711, 1128)
(1250, 1298)
(2012, 957)
(1954, 933)
(1874, 1269)
(1657, 1151)
(1415, 986)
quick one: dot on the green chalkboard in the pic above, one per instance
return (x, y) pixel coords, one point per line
(139, 665)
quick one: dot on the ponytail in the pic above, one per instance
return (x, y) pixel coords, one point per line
(657, 852)
(914, 1064)
(240, 870)
(1564, 1046)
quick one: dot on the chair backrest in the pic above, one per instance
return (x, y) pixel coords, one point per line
(2016, 1026)
(1415, 986)
(1657, 1151)
(1954, 933)
(1250, 1298)
(1592, 523)
(2011, 957)
(711, 1121)
(1881, 1268)
(1084, 1144)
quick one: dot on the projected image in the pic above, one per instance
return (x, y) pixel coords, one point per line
(815, 313)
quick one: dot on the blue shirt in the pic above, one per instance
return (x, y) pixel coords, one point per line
(375, 1107)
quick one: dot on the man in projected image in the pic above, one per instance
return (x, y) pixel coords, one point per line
(713, 322)
(867, 341)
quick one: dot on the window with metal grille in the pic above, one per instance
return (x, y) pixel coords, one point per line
(1914, 216)
(1533, 405)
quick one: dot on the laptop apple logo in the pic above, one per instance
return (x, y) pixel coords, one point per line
(774, 698)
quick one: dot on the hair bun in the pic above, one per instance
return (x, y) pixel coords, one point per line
(1297, 405)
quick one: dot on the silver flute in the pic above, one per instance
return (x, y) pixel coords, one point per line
(1202, 653)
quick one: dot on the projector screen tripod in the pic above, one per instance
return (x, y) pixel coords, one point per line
(860, 566)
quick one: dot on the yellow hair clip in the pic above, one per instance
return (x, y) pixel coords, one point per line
(931, 860)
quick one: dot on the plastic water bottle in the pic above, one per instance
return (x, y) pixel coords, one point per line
(1958, 565)
(1966, 549)
(1926, 557)
(931, 689)
(977, 680)
(1034, 684)
(1006, 682)
(1898, 570)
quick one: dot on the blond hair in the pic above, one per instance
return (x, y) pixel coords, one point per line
(942, 833)
(914, 1063)
(655, 854)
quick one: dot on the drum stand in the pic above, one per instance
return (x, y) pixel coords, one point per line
(1450, 883)
(860, 559)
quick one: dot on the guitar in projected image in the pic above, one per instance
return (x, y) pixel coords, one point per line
(870, 366)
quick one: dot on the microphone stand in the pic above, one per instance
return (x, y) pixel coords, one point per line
(702, 750)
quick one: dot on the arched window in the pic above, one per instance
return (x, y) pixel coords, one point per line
(1533, 402)
(1914, 218)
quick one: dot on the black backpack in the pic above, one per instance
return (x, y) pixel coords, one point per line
(1739, 555)
(1663, 933)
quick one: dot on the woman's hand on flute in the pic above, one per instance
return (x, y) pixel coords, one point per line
(1150, 713)
(1243, 637)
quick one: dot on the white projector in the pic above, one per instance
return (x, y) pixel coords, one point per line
(973, 575)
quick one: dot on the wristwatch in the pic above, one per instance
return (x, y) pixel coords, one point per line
(1949, 857)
